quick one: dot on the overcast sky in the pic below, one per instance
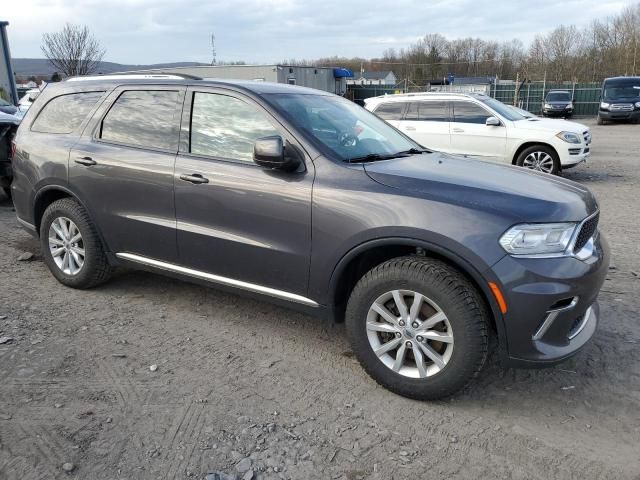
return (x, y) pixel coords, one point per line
(263, 31)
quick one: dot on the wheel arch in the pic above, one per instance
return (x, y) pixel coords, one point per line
(526, 145)
(51, 193)
(367, 255)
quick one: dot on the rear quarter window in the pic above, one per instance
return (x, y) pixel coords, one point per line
(65, 113)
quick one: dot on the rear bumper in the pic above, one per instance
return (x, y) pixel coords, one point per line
(552, 310)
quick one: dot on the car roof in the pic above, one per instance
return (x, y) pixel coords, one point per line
(423, 95)
(252, 86)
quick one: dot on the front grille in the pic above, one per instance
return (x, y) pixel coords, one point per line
(586, 232)
(621, 107)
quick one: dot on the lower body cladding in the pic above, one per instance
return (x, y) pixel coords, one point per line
(575, 156)
(552, 309)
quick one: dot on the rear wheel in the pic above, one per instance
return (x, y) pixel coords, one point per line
(71, 247)
(540, 158)
(418, 327)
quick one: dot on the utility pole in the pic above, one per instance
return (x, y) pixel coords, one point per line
(213, 49)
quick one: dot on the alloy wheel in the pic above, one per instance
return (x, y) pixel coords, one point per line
(409, 333)
(66, 245)
(540, 161)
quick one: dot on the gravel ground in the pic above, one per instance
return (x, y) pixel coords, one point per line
(250, 389)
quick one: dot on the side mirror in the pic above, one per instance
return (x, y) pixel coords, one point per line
(493, 122)
(270, 152)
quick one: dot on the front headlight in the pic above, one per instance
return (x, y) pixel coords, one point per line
(538, 239)
(570, 106)
(546, 105)
(637, 104)
(568, 137)
(604, 105)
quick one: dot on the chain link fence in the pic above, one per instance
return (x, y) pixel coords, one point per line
(528, 96)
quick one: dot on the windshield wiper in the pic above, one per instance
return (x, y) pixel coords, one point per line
(414, 151)
(372, 157)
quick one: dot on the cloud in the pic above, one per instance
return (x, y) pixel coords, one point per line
(261, 31)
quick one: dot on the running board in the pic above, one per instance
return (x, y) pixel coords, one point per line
(250, 287)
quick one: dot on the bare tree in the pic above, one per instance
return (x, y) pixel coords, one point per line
(72, 51)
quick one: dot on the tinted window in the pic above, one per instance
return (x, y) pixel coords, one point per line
(390, 111)
(65, 113)
(223, 126)
(467, 112)
(427, 111)
(143, 118)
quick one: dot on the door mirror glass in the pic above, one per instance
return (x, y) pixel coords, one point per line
(492, 122)
(270, 152)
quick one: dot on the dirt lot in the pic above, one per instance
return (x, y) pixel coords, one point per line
(239, 379)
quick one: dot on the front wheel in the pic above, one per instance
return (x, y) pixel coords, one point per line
(540, 158)
(418, 327)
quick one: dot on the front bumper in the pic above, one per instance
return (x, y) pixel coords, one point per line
(619, 115)
(552, 310)
(557, 112)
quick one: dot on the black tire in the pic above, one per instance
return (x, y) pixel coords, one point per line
(458, 299)
(7, 192)
(600, 121)
(555, 169)
(96, 268)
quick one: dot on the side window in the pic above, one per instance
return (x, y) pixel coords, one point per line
(427, 111)
(390, 110)
(143, 118)
(65, 113)
(226, 127)
(467, 112)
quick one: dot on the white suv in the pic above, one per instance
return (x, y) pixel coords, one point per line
(480, 126)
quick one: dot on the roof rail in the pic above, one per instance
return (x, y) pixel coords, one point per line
(135, 76)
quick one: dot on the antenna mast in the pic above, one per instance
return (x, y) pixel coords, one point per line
(213, 49)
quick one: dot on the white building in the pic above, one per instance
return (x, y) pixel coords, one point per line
(373, 78)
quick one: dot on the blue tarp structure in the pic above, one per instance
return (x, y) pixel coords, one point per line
(342, 73)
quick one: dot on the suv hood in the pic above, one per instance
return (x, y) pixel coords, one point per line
(514, 192)
(539, 123)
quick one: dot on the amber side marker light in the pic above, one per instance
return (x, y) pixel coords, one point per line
(498, 296)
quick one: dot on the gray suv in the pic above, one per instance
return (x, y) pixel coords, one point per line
(305, 198)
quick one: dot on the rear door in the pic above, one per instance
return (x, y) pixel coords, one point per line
(235, 219)
(471, 136)
(122, 168)
(391, 112)
(427, 122)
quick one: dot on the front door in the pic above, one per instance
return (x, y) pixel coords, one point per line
(471, 136)
(235, 219)
(122, 168)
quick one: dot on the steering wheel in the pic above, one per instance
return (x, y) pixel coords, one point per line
(348, 140)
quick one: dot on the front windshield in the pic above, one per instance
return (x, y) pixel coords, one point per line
(341, 128)
(617, 89)
(504, 110)
(558, 97)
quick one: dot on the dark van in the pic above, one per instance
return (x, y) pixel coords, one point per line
(620, 100)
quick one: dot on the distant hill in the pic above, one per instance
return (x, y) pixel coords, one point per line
(25, 67)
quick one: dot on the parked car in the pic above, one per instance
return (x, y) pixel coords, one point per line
(6, 107)
(483, 127)
(27, 99)
(558, 103)
(620, 100)
(8, 126)
(305, 198)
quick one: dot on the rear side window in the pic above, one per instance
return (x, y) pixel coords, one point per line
(390, 110)
(467, 112)
(427, 111)
(226, 127)
(65, 113)
(143, 118)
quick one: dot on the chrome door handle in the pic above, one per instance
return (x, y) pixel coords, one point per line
(458, 130)
(87, 161)
(194, 178)
(409, 128)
